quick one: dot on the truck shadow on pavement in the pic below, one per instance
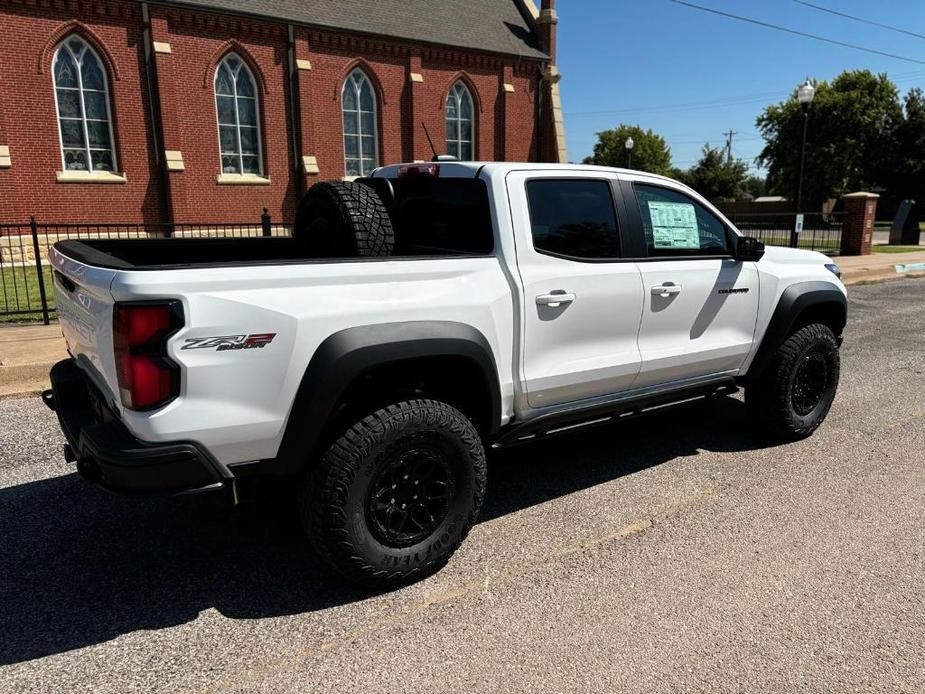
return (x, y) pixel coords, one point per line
(79, 566)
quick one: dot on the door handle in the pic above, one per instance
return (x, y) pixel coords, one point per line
(666, 289)
(554, 300)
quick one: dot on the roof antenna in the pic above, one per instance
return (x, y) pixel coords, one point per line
(430, 142)
(437, 157)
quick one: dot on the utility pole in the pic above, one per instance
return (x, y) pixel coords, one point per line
(731, 134)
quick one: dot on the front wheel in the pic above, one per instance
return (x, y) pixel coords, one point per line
(392, 498)
(792, 397)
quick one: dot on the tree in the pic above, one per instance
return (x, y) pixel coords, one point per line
(715, 177)
(851, 143)
(908, 180)
(755, 186)
(650, 151)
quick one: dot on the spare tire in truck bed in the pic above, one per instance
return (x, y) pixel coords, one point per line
(339, 219)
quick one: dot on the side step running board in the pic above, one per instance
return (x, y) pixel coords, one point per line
(626, 407)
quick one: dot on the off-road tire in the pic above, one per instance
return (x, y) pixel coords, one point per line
(336, 498)
(771, 396)
(340, 219)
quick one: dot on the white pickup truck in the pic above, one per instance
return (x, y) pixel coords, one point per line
(415, 319)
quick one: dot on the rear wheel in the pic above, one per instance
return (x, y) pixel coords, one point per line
(792, 397)
(392, 498)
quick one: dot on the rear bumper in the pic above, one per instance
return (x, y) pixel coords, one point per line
(106, 452)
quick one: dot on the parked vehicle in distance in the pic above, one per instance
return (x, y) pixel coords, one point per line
(415, 319)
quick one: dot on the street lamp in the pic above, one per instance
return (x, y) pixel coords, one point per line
(805, 95)
(629, 152)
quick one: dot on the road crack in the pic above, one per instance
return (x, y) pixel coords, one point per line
(475, 586)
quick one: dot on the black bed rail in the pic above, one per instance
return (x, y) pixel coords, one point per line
(26, 293)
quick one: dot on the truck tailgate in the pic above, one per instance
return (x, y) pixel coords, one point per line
(84, 305)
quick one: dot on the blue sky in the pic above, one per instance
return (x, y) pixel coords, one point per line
(658, 64)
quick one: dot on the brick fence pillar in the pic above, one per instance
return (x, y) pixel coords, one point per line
(858, 227)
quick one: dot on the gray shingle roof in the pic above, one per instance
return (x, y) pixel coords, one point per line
(496, 26)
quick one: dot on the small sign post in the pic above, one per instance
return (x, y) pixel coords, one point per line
(798, 228)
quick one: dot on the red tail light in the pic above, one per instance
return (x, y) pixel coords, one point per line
(147, 377)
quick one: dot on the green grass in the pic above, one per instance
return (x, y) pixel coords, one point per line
(885, 226)
(19, 291)
(821, 245)
(897, 249)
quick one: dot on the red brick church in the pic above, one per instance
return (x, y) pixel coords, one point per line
(210, 110)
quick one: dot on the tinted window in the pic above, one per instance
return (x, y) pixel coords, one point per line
(440, 215)
(573, 218)
(675, 224)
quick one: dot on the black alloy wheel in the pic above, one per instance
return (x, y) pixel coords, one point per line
(810, 381)
(410, 497)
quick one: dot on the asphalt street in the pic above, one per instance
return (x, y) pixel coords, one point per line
(677, 553)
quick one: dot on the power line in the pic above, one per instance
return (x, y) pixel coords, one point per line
(859, 19)
(744, 100)
(703, 140)
(748, 160)
(787, 30)
(901, 80)
(749, 99)
(694, 138)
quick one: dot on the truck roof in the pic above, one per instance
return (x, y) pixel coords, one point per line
(466, 169)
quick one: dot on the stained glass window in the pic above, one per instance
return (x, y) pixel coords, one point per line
(238, 117)
(459, 122)
(358, 101)
(84, 118)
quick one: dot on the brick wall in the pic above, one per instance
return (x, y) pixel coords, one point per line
(504, 89)
(28, 37)
(185, 79)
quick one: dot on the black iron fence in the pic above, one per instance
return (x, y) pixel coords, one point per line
(821, 232)
(26, 293)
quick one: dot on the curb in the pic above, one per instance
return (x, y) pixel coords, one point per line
(863, 278)
(21, 395)
(28, 379)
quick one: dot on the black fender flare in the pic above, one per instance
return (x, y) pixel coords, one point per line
(794, 300)
(346, 355)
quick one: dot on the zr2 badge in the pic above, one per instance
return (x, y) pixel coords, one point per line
(223, 344)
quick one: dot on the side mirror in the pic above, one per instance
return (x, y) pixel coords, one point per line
(747, 248)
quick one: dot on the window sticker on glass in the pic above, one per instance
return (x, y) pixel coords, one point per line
(674, 225)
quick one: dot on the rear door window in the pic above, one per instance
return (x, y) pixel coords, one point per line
(573, 218)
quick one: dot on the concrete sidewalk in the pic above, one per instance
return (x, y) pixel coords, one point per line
(27, 352)
(877, 267)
